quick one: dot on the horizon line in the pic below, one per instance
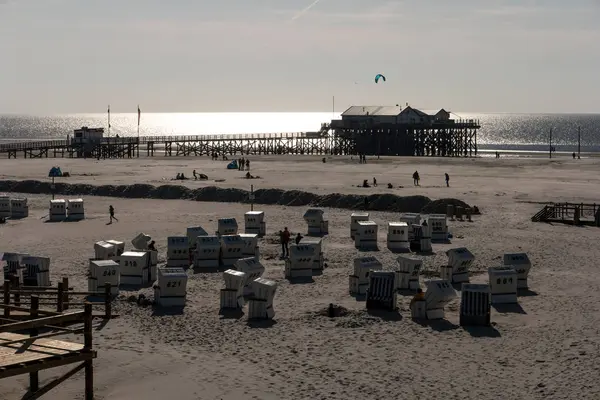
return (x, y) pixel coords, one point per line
(14, 114)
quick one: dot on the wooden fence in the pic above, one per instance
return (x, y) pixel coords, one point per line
(59, 298)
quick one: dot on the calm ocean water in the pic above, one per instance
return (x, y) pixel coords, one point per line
(511, 132)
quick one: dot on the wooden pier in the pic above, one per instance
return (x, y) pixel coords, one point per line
(445, 139)
(434, 139)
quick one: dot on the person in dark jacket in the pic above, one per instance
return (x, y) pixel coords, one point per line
(416, 178)
(285, 240)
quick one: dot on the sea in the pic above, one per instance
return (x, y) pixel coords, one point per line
(506, 133)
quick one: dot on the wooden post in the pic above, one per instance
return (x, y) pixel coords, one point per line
(7, 299)
(17, 295)
(60, 297)
(251, 197)
(87, 345)
(34, 379)
(107, 301)
(65, 283)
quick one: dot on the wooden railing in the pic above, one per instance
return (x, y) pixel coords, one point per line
(29, 354)
(59, 298)
(575, 213)
(34, 145)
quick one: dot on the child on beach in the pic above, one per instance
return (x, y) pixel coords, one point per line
(111, 211)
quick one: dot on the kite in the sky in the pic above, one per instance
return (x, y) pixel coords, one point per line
(378, 77)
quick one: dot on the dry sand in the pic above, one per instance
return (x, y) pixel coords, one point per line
(548, 350)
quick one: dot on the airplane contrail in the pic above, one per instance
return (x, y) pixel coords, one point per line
(305, 10)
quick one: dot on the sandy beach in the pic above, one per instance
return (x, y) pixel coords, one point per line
(548, 350)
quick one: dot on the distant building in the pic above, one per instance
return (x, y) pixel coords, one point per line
(396, 115)
(88, 135)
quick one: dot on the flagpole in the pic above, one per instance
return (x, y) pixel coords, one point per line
(138, 131)
(550, 142)
(333, 108)
(579, 142)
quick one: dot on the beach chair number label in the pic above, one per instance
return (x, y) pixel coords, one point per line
(172, 284)
(109, 272)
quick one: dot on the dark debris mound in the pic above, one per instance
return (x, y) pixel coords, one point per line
(374, 202)
(440, 206)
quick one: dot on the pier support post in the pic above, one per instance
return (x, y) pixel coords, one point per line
(34, 378)
(87, 346)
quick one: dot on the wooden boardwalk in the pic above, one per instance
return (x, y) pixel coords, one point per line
(36, 351)
(21, 354)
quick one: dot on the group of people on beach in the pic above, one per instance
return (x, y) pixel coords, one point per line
(243, 164)
(416, 181)
(285, 237)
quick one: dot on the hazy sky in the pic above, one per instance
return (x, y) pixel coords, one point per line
(267, 55)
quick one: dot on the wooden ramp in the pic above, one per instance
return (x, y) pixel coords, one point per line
(30, 354)
(33, 352)
(569, 213)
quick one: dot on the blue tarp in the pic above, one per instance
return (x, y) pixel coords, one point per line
(54, 172)
(232, 165)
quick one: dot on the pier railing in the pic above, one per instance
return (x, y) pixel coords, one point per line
(40, 144)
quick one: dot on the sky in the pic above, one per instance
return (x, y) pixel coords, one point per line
(71, 56)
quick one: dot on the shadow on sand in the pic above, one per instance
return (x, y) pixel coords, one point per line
(439, 325)
(301, 280)
(229, 313)
(166, 311)
(261, 323)
(102, 324)
(64, 220)
(482, 331)
(385, 315)
(526, 293)
(509, 308)
(209, 270)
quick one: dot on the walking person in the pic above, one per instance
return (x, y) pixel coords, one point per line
(247, 165)
(285, 240)
(111, 212)
(447, 179)
(416, 178)
(374, 181)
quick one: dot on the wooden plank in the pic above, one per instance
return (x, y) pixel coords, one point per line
(40, 322)
(26, 310)
(40, 349)
(42, 336)
(47, 364)
(23, 316)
